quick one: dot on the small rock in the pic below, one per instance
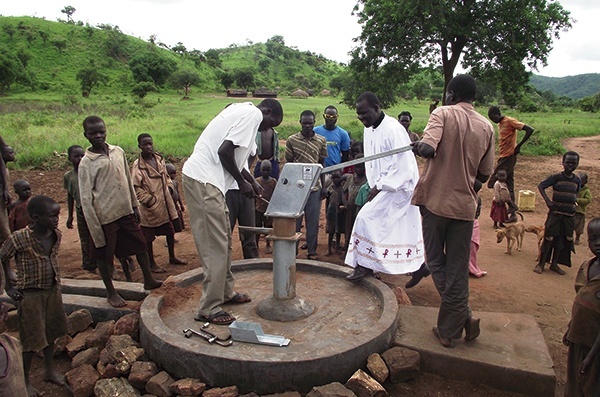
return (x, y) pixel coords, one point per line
(129, 324)
(229, 391)
(114, 344)
(377, 367)
(365, 386)
(100, 335)
(160, 384)
(126, 357)
(401, 296)
(284, 394)
(60, 344)
(79, 321)
(78, 342)
(114, 387)
(335, 389)
(82, 380)
(404, 364)
(141, 372)
(107, 371)
(252, 394)
(188, 387)
(89, 356)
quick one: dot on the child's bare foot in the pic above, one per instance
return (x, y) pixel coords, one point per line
(32, 391)
(154, 268)
(175, 261)
(55, 377)
(538, 269)
(152, 284)
(558, 270)
(115, 300)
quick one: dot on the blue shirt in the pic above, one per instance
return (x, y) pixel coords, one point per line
(338, 140)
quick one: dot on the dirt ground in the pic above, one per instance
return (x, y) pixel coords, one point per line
(510, 285)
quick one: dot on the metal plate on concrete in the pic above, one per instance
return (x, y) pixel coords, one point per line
(292, 189)
(510, 354)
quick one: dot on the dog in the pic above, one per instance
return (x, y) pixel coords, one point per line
(539, 232)
(514, 234)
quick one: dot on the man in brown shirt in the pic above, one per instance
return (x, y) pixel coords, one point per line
(458, 144)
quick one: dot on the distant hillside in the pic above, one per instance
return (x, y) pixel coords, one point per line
(575, 87)
(54, 52)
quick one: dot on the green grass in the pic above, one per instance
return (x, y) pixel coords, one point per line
(39, 127)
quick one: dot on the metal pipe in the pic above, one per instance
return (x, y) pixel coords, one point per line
(340, 166)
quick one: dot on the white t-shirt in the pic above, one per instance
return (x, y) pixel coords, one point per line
(237, 123)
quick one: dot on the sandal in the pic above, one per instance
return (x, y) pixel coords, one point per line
(239, 298)
(219, 318)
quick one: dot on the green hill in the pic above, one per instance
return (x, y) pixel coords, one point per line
(575, 87)
(54, 52)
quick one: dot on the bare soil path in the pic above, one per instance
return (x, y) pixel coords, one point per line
(510, 286)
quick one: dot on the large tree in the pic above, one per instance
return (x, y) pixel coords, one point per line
(492, 38)
(185, 78)
(90, 77)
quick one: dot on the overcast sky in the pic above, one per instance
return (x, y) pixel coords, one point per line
(325, 27)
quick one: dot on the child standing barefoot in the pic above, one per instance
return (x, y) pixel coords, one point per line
(498, 212)
(583, 333)
(41, 315)
(110, 207)
(584, 198)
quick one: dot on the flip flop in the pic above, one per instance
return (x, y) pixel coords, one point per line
(239, 298)
(219, 318)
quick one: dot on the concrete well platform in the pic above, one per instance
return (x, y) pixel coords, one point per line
(350, 322)
(510, 354)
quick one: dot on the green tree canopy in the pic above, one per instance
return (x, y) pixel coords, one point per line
(185, 78)
(90, 77)
(69, 10)
(491, 37)
(151, 66)
(11, 70)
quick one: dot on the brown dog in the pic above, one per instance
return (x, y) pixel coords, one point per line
(539, 232)
(514, 234)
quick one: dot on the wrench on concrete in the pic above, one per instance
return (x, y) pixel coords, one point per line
(209, 337)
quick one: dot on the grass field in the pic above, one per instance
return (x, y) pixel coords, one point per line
(41, 127)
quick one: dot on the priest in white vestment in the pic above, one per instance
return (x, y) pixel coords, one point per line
(387, 235)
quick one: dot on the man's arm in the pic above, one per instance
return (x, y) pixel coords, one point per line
(226, 154)
(70, 206)
(345, 155)
(482, 178)
(4, 181)
(528, 131)
(422, 149)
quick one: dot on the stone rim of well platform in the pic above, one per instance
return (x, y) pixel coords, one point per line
(220, 366)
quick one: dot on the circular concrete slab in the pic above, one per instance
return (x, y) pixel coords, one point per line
(350, 322)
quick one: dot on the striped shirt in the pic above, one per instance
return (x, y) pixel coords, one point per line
(299, 149)
(564, 192)
(35, 268)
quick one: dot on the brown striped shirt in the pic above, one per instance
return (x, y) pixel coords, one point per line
(299, 149)
(35, 268)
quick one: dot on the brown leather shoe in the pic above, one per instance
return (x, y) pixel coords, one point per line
(446, 342)
(359, 273)
(472, 329)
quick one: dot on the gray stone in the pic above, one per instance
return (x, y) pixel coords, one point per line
(78, 321)
(82, 380)
(78, 343)
(188, 387)
(115, 387)
(377, 368)
(334, 389)
(141, 372)
(100, 335)
(364, 385)
(129, 324)
(404, 364)
(160, 384)
(89, 356)
(229, 391)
